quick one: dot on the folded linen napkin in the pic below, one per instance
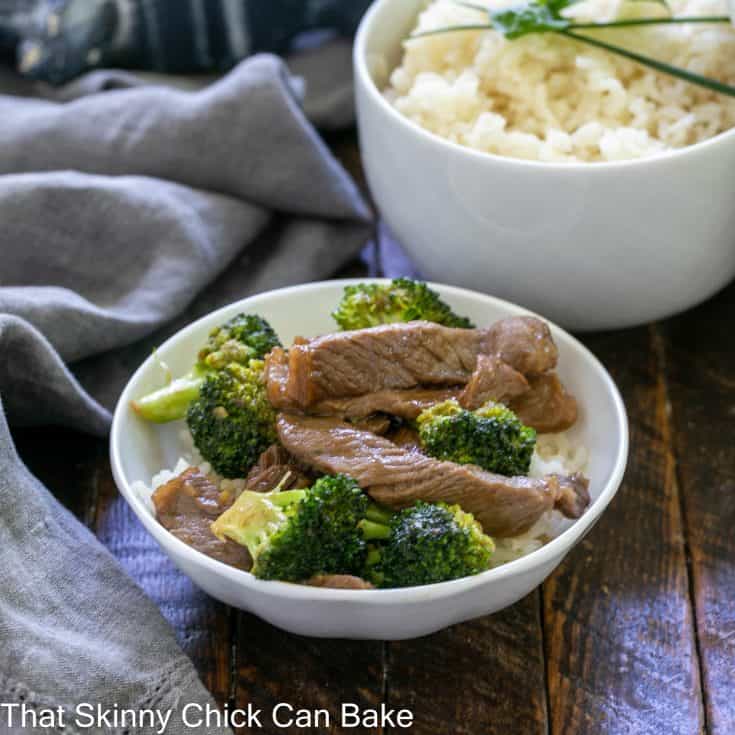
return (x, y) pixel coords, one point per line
(125, 214)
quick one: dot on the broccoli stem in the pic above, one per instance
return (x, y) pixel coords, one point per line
(372, 531)
(378, 514)
(170, 402)
(286, 497)
(376, 524)
(248, 521)
(372, 568)
(373, 557)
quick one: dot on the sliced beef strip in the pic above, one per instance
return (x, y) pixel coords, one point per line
(276, 380)
(395, 476)
(540, 401)
(523, 342)
(339, 582)
(546, 405)
(405, 404)
(492, 380)
(399, 356)
(392, 356)
(406, 437)
(186, 506)
(272, 465)
(377, 423)
(274, 456)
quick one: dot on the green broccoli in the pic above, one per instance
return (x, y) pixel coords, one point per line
(492, 437)
(296, 534)
(428, 543)
(231, 420)
(402, 300)
(170, 402)
(239, 340)
(243, 338)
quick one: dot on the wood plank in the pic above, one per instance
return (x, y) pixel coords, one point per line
(701, 374)
(620, 641)
(274, 666)
(203, 626)
(485, 676)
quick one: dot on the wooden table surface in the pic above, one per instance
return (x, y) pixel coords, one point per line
(634, 632)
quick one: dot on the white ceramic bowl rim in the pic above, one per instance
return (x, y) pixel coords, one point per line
(363, 76)
(388, 596)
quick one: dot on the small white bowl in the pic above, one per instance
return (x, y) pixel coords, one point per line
(591, 245)
(138, 450)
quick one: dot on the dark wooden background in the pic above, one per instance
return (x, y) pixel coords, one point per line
(634, 633)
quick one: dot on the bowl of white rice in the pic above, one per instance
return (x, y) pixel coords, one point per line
(144, 455)
(578, 183)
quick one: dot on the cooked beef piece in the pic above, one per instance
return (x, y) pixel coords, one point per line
(546, 405)
(392, 356)
(276, 379)
(573, 494)
(395, 476)
(273, 456)
(264, 480)
(540, 401)
(406, 437)
(271, 467)
(339, 582)
(405, 404)
(377, 423)
(523, 342)
(187, 505)
(399, 356)
(493, 380)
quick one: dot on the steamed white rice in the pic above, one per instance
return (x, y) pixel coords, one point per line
(554, 453)
(548, 98)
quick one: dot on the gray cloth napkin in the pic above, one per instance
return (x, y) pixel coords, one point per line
(126, 213)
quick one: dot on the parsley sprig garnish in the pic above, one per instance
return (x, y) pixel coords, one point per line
(545, 16)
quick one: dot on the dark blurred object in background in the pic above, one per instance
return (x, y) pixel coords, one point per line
(14, 15)
(56, 40)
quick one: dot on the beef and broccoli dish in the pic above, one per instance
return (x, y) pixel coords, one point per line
(406, 448)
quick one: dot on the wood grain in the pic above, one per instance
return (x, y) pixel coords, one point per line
(701, 374)
(310, 673)
(485, 676)
(620, 645)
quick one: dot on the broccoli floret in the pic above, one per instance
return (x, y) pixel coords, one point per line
(296, 534)
(429, 543)
(243, 338)
(231, 420)
(402, 300)
(333, 528)
(492, 437)
(239, 340)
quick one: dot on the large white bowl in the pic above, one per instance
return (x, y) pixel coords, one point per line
(138, 450)
(592, 246)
